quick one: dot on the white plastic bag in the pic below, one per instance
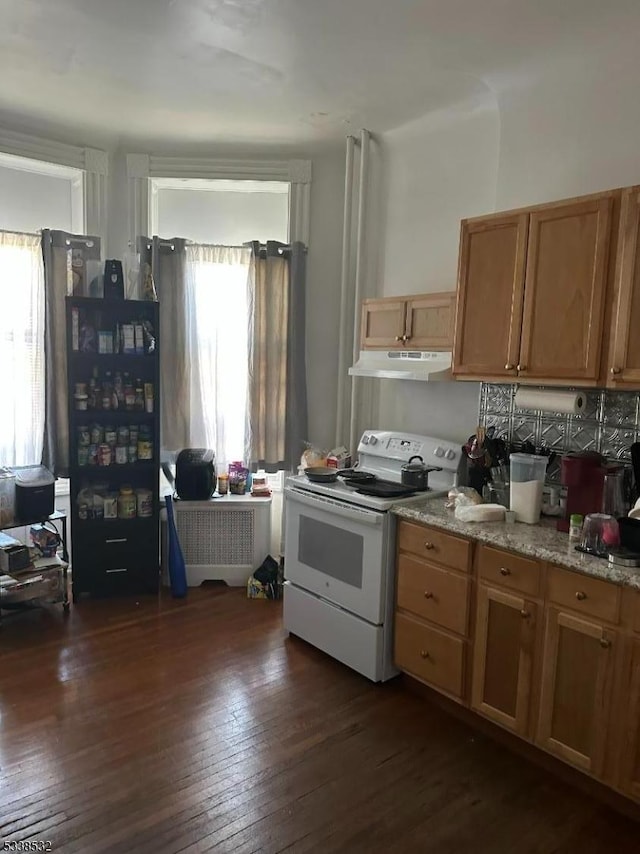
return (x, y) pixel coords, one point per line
(480, 513)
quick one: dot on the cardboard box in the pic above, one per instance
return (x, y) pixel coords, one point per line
(339, 458)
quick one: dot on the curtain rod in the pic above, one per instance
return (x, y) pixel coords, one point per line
(19, 233)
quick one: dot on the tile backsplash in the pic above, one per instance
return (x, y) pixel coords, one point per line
(609, 424)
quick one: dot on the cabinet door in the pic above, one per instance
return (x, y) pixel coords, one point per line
(566, 280)
(490, 296)
(625, 367)
(502, 658)
(576, 685)
(429, 322)
(383, 323)
(629, 706)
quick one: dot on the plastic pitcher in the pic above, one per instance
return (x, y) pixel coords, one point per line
(527, 473)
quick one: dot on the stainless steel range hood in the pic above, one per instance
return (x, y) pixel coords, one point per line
(403, 365)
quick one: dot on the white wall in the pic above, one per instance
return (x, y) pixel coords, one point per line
(571, 127)
(438, 170)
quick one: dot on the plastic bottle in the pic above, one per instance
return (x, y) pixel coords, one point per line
(575, 528)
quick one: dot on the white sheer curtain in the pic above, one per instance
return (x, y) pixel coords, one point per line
(218, 305)
(21, 348)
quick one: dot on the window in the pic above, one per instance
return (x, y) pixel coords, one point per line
(218, 217)
(33, 195)
(220, 212)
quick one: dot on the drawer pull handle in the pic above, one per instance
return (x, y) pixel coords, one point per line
(116, 540)
(580, 596)
(524, 614)
(429, 546)
(424, 654)
(123, 569)
(505, 571)
(604, 643)
(428, 594)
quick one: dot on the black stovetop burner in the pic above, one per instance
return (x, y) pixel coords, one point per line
(387, 489)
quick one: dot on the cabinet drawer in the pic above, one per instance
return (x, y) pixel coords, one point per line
(508, 570)
(436, 594)
(429, 654)
(584, 594)
(435, 545)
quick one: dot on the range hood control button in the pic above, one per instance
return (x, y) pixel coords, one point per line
(450, 455)
(439, 452)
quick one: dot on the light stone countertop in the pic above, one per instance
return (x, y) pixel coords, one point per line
(540, 541)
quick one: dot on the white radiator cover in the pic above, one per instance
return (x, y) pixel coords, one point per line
(224, 539)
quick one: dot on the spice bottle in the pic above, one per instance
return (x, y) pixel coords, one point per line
(139, 396)
(575, 528)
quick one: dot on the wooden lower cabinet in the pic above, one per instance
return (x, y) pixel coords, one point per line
(431, 655)
(503, 658)
(577, 680)
(630, 742)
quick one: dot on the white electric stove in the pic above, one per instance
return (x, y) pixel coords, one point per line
(340, 550)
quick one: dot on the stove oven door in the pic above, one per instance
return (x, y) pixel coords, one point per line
(338, 551)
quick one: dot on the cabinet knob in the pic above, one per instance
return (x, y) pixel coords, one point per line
(428, 546)
(508, 367)
(398, 337)
(428, 594)
(406, 337)
(424, 653)
(580, 596)
(604, 643)
(522, 367)
(524, 614)
(505, 570)
(615, 371)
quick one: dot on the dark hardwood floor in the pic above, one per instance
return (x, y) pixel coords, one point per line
(165, 726)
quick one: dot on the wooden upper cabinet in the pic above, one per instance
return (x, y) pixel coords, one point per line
(624, 364)
(429, 321)
(418, 322)
(503, 656)
(490, 296)
(577, 678)
(383, 322)
(565, 287)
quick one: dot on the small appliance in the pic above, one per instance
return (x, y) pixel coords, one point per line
(583, 476)
(195, 474)
(34, 493)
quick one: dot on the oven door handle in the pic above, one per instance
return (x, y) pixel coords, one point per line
(339, 508)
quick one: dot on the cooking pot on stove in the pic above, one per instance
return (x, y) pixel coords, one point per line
(416, 474)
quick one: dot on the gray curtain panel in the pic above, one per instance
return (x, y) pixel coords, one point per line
(168, 266)
(57, 247)
(297, 412)
(277, 381)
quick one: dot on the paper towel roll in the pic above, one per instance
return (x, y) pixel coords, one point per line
(571, 402)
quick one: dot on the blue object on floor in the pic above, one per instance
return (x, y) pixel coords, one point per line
(177, 569)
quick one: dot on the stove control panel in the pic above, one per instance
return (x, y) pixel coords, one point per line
(404, 446)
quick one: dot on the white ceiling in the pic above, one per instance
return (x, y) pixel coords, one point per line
(276, 70)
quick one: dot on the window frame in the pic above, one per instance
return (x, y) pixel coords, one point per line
(92, 162)
(141, 168)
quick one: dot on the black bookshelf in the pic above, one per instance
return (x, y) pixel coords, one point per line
(112, 555)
